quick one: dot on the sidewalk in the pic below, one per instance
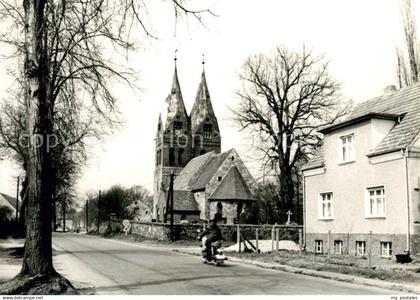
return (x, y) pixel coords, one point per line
(322, 274)
(10, 265)
(65, 264)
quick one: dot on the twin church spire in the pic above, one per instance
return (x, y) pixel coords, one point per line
(200, 127)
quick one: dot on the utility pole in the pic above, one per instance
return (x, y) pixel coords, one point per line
(99, 209)
(87, 216)
(64, 213)
(170, 205)
(171, 187)
(17, 199)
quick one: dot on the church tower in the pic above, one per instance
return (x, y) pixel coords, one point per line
(204, 126)
(173, 141)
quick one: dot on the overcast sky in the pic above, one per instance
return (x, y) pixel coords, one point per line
(358, 36)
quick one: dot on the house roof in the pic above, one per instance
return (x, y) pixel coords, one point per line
(402, 105)
(359, 119)
(232, 187)
(11, 200)
(316, 161)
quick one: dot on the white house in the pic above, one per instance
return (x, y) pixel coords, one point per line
(361, 190)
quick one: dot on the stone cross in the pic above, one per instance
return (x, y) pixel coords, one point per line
(289, 213)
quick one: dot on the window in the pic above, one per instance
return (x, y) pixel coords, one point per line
(338, 247)
(347, 148)
(360, 248)
(180, 156)
(177, 125)
(158, 157)
(219, 208)
(386, 249)
(207, 131)
(219, 178)
(375, 202)
(325, 208)
(171, 156)
(319, 246)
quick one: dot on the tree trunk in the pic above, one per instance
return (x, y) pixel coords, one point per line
(38, 249)
(54, 214)
(287, 189)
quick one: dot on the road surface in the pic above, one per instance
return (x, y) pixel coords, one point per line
(116, 267)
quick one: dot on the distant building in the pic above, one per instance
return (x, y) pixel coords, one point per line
(10, 202)
(189, 146)
(365, 179)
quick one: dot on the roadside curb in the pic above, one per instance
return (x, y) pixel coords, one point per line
(321, 274)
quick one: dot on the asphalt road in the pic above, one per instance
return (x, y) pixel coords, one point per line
(115, 267)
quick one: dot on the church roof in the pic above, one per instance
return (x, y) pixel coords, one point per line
(202, 108)
(198, 172)
(190, 172)
(174, 103)
(208, 172)
(232, 187)
(183, 200)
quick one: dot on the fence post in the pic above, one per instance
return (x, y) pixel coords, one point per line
(300, 241)
(256, 240)
(329, 244)
(348, 243)
(370, 249)
(272, 237)
(277, 239)
(238, 237)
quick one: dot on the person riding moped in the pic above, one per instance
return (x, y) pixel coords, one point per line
(212, 234)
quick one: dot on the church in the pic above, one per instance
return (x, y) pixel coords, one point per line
(188, 146)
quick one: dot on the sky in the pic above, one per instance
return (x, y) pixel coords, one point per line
(358, 36)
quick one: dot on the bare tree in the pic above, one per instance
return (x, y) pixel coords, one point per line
(408, 62)
(64, 48)
(285, 99)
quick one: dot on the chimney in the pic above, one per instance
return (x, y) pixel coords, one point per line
(389, 89)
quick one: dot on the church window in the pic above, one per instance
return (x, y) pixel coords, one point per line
(207, 131)
(177, 125)
(219, 208)
(159, 127)
(158, 157)
(171, 156)
(219, 178)
(180, 156)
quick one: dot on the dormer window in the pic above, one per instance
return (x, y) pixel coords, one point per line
(346, 149)
(208, 128)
